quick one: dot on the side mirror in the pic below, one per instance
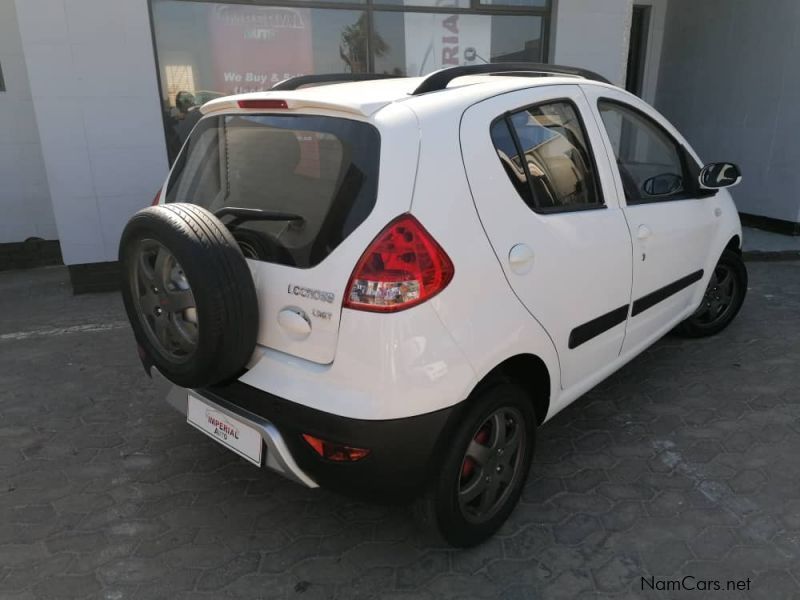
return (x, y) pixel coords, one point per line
(663, 185)
(720, 175)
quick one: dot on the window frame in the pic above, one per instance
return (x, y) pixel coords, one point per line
(690, 170)
(506, 116)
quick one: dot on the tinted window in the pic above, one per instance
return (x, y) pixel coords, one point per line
(557, 171)
(322, 169)
(648, 158)
(509, 158)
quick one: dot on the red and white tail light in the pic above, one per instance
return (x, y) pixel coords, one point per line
(402, 267)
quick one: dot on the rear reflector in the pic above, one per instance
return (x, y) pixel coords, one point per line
(335, 452)
(157, 199)
(263, 104)
(403, 267)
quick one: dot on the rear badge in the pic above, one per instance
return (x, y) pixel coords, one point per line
(305, 292)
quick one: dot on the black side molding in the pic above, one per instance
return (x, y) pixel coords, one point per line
(583, 333)
(653, 298)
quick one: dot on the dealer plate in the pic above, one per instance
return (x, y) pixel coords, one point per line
(228, 431)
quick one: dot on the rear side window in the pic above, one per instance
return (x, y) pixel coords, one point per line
(304, 182)
(545, 154)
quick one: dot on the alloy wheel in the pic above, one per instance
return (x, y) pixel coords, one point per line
(491, 465)
(719, 296)
(164, 300)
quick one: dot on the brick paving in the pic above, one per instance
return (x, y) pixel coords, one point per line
(685, 463)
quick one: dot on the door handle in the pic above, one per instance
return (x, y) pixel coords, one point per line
(643, 233)
(520, 257)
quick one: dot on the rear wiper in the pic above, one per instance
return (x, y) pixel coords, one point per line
(242, 215)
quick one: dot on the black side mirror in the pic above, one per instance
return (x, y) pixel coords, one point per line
(720, 175)
(663, 185)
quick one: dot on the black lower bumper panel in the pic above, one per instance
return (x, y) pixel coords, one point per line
(403, 452)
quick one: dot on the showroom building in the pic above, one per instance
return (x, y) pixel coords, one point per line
(97, 96)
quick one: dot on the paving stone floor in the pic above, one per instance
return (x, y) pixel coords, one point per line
(685, 463)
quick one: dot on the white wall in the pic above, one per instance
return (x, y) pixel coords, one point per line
(593, 34)
(93, 82)
(25, 209)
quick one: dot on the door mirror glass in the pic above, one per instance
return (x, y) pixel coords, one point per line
(662, 185)
(720, 175)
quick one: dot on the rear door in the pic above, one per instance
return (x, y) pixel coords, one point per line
(673, 224)
(561, 238)
(299, 194)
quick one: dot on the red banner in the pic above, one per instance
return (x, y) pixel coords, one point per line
(254, 47)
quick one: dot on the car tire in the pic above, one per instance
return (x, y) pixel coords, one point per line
(444, 507)
(722, 300)
(188, 294)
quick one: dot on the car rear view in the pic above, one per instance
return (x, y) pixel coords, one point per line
(290, 189)
(282, 284)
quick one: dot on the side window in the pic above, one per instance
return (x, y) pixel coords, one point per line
(509, 157)
(648, 158)
(545, 154)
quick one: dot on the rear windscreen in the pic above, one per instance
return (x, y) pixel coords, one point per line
(303, 182)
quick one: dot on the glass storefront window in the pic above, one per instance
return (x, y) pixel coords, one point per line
(419, 43)
(206, 50)
(520, 3)
(441, 4)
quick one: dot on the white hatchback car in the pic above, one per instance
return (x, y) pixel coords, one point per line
(384, 287)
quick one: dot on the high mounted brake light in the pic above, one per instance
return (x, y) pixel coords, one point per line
(401, 268)
(263, 104)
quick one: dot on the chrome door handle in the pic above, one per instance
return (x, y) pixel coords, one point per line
(643, 233)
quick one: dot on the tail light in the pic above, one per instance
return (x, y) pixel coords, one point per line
(335, 452)
(157, 198)
(403, 267)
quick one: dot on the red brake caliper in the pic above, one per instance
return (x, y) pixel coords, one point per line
(482, 437)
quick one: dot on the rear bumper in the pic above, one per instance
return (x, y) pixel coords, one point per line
(278, 456)
(402, 453)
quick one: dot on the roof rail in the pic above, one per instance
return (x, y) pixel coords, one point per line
(294, 83)
(439, 80)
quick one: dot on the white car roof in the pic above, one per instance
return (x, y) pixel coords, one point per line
(367, 97)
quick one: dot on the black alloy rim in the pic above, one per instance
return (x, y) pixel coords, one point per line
(719, 297)
(491, 466)
(164, 301)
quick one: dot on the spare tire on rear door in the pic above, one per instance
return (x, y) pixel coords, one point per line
(188, 293)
